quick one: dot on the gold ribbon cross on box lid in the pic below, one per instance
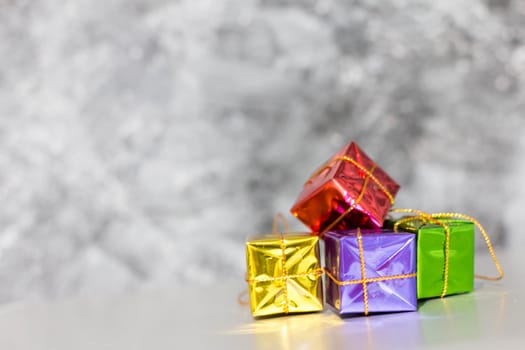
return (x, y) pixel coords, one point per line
(283, 272)
(445, 251)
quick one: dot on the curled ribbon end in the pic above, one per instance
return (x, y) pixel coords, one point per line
(488, 278)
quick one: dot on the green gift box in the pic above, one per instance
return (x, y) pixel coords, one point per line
(431, 247)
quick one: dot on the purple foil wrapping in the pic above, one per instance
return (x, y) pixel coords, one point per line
(385, 254)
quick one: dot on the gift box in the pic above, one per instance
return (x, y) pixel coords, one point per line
(370, 271)
(431, 248)
(283, 274)
(349, 191)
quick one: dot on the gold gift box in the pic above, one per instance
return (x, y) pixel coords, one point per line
(284, 274)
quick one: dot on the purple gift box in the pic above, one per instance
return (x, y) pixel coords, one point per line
(388, 261)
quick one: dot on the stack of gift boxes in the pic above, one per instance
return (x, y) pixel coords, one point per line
(373, 264)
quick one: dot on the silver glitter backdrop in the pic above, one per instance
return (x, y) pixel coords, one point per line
(143, 140)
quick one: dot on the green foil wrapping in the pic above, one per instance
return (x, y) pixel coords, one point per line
(431, 257)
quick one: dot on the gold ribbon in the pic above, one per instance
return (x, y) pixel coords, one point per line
(284, 273)
(354, 162)
(369, 175)
(438, 219)
(364, 280)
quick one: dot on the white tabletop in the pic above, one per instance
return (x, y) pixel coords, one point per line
(212, 318)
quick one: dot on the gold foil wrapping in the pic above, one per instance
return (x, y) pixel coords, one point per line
(283, 274)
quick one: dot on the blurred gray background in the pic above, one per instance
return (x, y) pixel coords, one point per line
(143, 140)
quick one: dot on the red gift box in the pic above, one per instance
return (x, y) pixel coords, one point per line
(348, 191)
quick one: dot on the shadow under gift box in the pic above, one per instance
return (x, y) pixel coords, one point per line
(431, 256)
(283, 273)
(385, 254)
(337, 185)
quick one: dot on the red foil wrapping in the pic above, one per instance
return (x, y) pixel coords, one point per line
(339, 185)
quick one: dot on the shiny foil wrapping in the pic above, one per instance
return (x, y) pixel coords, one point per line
(334, 189)
(431, 257)
(284, 274)
(385, 254)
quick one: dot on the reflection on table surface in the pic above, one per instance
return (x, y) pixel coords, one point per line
(437, 322)
(489, 315)
(212, 318)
